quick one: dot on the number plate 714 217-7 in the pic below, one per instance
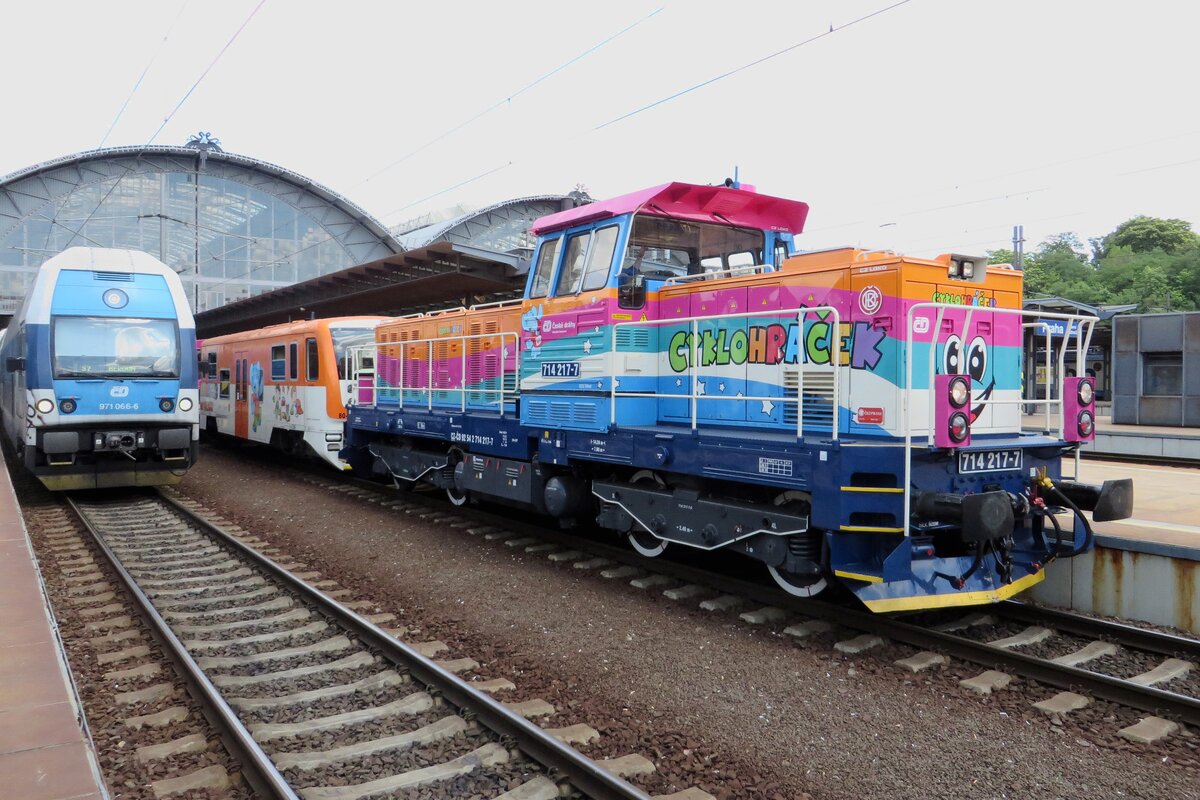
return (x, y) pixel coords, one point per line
(988, 460)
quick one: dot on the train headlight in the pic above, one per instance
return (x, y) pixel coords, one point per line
(959, 427)
(44, 406)
(1087, 424)
(166, 405)
(185, 404)
(68, 405)
(960, 392)
(115, 298)
(1086, 393)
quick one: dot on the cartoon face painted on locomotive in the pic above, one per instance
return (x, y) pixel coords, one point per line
(970, 358)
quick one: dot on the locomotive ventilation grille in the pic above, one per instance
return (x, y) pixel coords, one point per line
(633, 338)
(121, 277)
(817, 401)
(561, 411)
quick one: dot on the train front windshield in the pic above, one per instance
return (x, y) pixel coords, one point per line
(95, 347)
(346, 338)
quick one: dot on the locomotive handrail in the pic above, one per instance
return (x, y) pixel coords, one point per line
(464, 391)
(695, 346)
(733, 272)
(497, 303)
(1082, 323)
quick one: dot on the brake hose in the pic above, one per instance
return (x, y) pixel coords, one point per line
(1087, 526)
(960, 581)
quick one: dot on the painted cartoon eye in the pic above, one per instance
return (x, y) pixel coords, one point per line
(952, 356)
(977, 356)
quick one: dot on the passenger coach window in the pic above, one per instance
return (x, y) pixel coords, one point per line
(547, 257)
(293, 361)
(599, 261)
(573, 262)
(212, 365)
(223, 393)
(310, 359)
(278, 363)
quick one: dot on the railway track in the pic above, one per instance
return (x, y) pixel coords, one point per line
(1136, 667)
(316, 701)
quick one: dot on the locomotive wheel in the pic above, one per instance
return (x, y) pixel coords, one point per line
(799, 585)
(790, 582)
(456, 496)
(643, 540)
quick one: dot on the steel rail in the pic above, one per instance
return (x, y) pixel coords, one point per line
(1105, 687)
(1152, 641)
(260, 772)
(581, 772)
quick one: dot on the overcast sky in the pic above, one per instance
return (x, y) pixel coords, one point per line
(933, 126)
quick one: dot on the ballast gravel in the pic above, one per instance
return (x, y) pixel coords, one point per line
(741, 710)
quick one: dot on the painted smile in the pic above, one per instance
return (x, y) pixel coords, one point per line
(982, 399)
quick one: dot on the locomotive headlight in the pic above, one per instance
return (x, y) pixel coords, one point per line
(68, 405)
(185, 404)
(1086, 393)
(959, 427)
(960, 392)
(44, 406)
(1086, 423)
(968, 269)
(166, 404)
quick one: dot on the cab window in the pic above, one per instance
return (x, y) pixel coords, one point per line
(293, 361)
(278, 363)
(544, 270)
(599, 261)
(573, 263)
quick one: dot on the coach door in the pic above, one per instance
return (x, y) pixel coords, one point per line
(241, 405)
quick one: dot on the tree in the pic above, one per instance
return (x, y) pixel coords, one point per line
(1143, 234)
(1001, 256)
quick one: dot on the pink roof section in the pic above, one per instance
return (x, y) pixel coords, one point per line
(742, 207)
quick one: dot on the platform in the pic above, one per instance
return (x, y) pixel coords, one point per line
(1132, 441)
(1146, 567)
(45, 753)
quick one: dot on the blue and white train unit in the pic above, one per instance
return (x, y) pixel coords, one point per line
(677, 373)
(98, 378)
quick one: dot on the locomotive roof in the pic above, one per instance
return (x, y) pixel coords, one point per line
(721, 204)
(290, 328)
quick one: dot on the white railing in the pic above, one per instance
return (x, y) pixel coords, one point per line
(507, 380)
(1078, 328)
(729, 272)
(695, 348)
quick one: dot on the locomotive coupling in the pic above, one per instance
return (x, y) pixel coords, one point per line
(983, 516)
(1108, 501)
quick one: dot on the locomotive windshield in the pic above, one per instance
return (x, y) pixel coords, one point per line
(346, 338)
(661, 248)
(95, 347)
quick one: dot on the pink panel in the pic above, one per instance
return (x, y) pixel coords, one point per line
(944, 410)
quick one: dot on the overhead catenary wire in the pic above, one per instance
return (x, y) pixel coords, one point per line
(510, 97)
(75, 234)
(676, 95)
(138, 83)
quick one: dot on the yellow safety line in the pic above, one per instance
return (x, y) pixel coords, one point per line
(858, 576)
(868, 529)
(871, 489)
(949, 600)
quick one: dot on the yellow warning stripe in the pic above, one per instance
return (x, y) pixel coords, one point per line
(948, 600)
(868, 529)
(858, 576)
(871, 489)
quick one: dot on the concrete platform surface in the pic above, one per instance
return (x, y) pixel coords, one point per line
(44, 752)
(1147, 441)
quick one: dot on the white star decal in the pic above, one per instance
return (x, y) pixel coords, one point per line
(739, 394)
(699, 387)
(587, 345)
(721, 386)
(679, 381)
(767, 407)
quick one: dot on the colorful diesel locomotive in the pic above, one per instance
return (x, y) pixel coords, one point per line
(98, 386)
(677, 373)
(286, 385)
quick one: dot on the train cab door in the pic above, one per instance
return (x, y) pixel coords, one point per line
(241, 401)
